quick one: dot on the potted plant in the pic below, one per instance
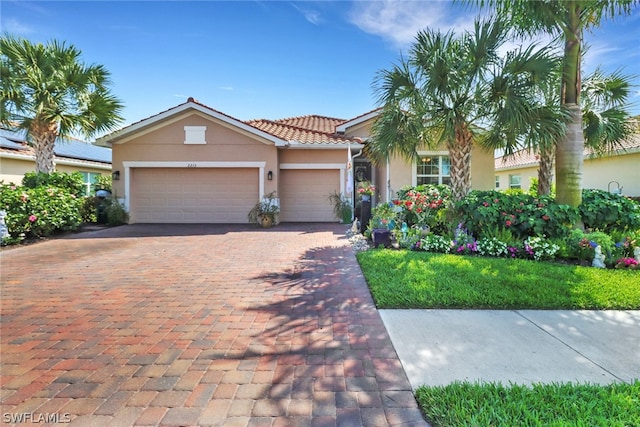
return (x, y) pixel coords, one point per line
(341, 207)
(265, 211)
(366, 190)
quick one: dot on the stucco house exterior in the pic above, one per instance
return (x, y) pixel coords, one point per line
(194, 164)
(618, 171)
(71, 155)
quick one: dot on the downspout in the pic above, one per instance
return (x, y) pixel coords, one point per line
(388, 177)
(353, 192)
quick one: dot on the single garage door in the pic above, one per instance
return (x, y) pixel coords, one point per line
(304, 195)
(176, 195)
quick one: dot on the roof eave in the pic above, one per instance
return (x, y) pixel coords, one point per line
(126, 132)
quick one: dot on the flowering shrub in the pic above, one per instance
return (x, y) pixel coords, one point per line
(463, 242)
(40, 211)
(625, 243)
(384, 216)
(490, 246)
(630, 263)
(522, 214)
(435, 243)
(540, 248)
(418, 206)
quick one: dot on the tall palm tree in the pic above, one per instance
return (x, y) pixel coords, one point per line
(605, 118)
(567, 20)
(455, 92)
(48, 92)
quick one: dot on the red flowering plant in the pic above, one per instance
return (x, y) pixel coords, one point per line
(418, 206)
(366, 189)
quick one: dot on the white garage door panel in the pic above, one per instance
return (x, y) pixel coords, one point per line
(305, 195)
(173, 195)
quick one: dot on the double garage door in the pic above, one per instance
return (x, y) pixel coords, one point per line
(225, 195)
(207, 195)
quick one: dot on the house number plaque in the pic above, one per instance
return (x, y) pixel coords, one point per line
(192, 165)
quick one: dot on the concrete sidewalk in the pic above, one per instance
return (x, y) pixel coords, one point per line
(438, 347)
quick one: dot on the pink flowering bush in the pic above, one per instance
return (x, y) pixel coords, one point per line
(41, 210)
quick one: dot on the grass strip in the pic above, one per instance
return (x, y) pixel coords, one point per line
(567, 404)
(407, 279)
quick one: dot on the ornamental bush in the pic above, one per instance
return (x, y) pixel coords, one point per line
(604, 211)
(522, 214)
(41, 210)
(422, 205)
(71, 182)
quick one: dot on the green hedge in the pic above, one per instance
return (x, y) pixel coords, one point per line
(45, 204)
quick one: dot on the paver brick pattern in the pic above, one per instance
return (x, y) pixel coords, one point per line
(180, 325)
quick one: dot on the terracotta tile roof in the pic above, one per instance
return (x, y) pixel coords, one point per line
(309, 129)
(525, 158)
(313, 122)
(284, 130)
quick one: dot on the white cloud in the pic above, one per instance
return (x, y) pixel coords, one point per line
(227, 88)
(399, 21)
(311, 15)
(13, 26)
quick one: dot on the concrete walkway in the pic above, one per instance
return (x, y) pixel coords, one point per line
(197, 325)
(438, 347)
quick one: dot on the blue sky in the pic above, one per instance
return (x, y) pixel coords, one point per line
(264, 59)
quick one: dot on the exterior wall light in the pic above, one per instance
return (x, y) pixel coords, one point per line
(270, 175)
(115, 175)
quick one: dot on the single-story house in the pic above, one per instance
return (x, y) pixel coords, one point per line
(618, 171)
(194, 164)
(71, 155)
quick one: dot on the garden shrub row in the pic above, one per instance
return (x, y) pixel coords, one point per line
(48, 203)
(513, 224)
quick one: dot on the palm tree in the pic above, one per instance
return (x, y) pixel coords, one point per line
(565, 19)
(48, 92)
(604, 116)
(455, 92)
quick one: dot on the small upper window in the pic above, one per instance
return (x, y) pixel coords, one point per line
(195, 134)
(497, 181)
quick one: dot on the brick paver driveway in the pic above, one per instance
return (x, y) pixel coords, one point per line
(197, 325)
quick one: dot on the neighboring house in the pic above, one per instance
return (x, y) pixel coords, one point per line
(194, 164)
(18, 158)
(618, 171)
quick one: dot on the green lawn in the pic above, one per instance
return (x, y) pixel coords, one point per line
(465, 404)
(406, 279)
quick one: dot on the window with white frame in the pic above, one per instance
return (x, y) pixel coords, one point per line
(89, 178)
(514, 181)
(433, 169)
(497, 181)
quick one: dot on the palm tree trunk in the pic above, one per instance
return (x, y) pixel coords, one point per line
(569, 150)
(545, 170)
(460, 154)
(44, 137)
(569, 159)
